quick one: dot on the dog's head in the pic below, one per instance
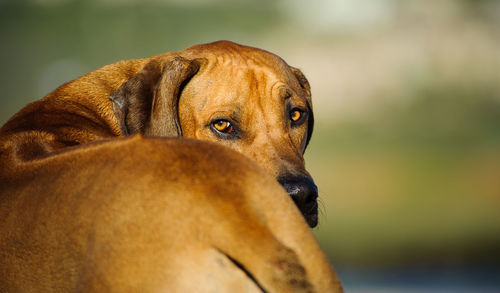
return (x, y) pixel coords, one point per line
(245, 98)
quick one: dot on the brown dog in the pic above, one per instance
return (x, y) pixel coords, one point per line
(153, 215)
(245, 98)
(83, 210)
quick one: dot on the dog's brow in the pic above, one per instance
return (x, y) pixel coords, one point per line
(232, 111)
(285, 93)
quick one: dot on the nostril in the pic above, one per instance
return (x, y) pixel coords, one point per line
(292, 189)
(301, 189)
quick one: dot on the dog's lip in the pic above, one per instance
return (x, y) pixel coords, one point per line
(312, 219)
(310, 212)
(311, 207)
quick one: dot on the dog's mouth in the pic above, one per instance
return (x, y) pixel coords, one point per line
(310, 212)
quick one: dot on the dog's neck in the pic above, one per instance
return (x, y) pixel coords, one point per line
(67, 116)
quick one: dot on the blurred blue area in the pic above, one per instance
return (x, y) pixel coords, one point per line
(421, 279)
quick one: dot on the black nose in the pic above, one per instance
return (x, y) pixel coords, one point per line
(304, 193)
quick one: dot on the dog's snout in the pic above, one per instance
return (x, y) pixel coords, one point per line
(301, 189)
(304, 193)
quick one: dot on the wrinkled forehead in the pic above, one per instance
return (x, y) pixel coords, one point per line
(236, 65)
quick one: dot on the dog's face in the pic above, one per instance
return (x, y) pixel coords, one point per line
(247, 99)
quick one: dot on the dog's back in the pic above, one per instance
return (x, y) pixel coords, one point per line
(189, 216)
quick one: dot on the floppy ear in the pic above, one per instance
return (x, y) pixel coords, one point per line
(304, 84)
(147, 103)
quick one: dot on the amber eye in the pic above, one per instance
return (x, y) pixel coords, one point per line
(295, 115)
(223, 126)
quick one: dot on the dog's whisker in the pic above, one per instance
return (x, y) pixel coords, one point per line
(322, 207)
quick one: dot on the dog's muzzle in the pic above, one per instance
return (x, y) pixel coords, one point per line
(304, 193)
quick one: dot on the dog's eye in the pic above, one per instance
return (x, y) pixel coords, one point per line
(223, 126)
(296, 116)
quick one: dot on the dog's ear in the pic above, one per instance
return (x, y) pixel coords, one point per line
(147, 102)
(304, 84)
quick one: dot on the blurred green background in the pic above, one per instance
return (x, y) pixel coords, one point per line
(406, 149)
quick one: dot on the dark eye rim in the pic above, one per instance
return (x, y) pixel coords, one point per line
(233, 135)
(302, 119)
